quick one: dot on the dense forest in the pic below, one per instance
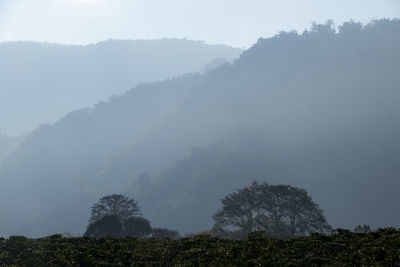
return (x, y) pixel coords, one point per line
(316, 110)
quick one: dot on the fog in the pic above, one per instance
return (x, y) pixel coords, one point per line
(42, 82)
(316, 109)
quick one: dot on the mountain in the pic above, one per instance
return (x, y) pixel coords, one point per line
(42, 82)
(317, 110)
(67, 159)
(8, 145)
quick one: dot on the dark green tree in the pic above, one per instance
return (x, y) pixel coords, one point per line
(137, 227)
(107, 226)
(118, 205)
(280, 210)
(117, 215)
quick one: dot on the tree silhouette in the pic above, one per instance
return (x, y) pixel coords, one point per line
(107, 226)
(280, 210)
(118, 205)
(164, 233)
(362, 228)
(137, 227)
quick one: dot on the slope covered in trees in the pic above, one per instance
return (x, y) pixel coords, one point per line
(318, 110)
(8, 145)
(41, 82)
(64, 163)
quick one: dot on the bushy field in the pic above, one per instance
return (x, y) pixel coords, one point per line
(341, 248)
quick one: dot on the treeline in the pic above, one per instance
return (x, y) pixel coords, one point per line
(279, 210)
(341, 248)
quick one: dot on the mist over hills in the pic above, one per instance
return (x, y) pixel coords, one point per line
(317, 110)
(8, 145)
(42, 82)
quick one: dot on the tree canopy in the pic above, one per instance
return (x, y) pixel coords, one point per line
(120, 216)
(280, 210)
(137, 227)
(118, 205)
(362, 228)
(164, 233)
(109, 225)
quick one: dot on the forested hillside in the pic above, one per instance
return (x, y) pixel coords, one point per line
(8, 145)
(41, 82)
(317, 110)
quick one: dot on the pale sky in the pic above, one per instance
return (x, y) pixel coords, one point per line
(235, 22)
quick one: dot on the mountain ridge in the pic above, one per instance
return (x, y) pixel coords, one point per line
(328, 124)
(49, 80)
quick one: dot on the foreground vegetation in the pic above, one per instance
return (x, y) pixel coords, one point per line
(341, 248)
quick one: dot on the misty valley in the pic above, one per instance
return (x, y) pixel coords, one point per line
(174, 152)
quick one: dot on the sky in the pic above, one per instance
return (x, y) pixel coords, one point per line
(234, 22)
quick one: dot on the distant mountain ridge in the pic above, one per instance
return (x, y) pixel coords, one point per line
(317, 110)
(8, 145)
(42, 82)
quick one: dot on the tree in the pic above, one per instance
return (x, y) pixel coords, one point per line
(362, 228)
(137, 227)
(118, 205)
(280, 210)
(164, 233)
(117, 215)
(109, 225)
